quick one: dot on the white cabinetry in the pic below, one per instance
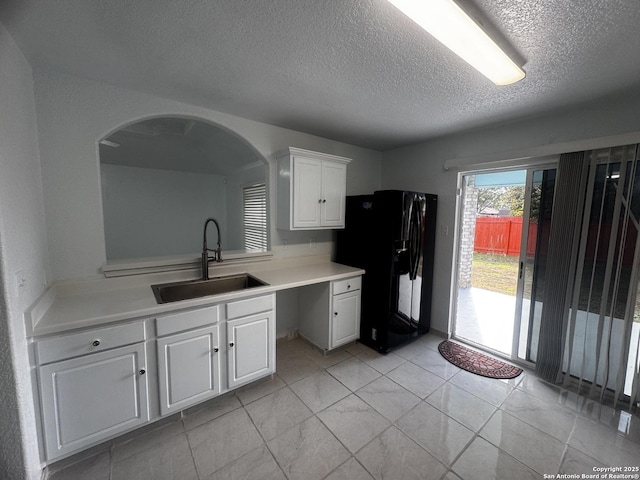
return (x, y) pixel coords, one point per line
(345, 320)
(92, 397)
(251, 339)
(311, 190)
(188, 362)
(330, 312)
(94, 384)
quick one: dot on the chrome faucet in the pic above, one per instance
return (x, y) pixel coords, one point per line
(217, 253)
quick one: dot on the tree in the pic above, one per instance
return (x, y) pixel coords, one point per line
(514, 198)
(502, 198)
(489, 198)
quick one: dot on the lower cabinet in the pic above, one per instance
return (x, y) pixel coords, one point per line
(330, 313)
(94, 397)
(345, 321)
(251, 348)
(188, 368)
(94, 383)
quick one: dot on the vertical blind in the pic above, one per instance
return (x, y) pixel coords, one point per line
(254, 201)
(592, 334)
(567, 203)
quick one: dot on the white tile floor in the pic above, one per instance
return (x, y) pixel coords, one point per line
(359, 415)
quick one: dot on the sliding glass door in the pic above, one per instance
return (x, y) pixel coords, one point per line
(533, 260)
(575, 309)
(504, 225)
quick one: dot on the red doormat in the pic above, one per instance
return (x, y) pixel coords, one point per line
(476, 362)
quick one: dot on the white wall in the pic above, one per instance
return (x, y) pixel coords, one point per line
(143, 219)
(23, 247)
(606, 122)
(75, 113)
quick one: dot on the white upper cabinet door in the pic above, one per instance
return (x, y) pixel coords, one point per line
(188, 368)
(92, 398)
(311, 190)
(251, 346)
(345, 324)
(334, 191)
(307, 193)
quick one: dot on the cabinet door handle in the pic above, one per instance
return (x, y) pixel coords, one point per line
(215, 350)
(142, 372)
(320, 200)
(348, 287)
(96, 343)
(324, 201)
(335, 313)
(231, 344)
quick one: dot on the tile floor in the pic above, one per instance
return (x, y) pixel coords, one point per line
(358, 415)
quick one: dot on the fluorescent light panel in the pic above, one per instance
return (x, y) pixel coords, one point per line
(449, 24)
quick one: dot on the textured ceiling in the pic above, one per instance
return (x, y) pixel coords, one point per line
(356, 71)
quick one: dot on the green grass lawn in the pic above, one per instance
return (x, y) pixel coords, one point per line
(497, 273)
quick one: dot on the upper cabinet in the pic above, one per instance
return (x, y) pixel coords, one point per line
(312, 187)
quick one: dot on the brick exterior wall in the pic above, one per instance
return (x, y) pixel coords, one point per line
(469, 209)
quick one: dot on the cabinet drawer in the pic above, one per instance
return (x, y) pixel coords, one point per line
(180, 322)
(90, 341)
(249, 306)
(348, 285)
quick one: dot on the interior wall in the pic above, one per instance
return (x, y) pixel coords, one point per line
(138, 201)
(23, 259)
(75, 113)
(604, 122)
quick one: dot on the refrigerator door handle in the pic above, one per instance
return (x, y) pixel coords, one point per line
(414, 239)
(410, 241)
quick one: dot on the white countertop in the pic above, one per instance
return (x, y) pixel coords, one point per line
(98, 302)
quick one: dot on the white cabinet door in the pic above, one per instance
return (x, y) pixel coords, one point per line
(334, 191)
(311, 190)
(94, 397)
(307, 192)
(251, 348)
(345, 321)
(188, 368)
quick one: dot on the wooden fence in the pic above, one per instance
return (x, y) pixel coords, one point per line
(502, 236)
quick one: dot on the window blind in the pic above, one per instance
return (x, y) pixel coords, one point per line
(254, 201)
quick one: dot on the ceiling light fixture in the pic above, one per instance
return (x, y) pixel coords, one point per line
(450, 25)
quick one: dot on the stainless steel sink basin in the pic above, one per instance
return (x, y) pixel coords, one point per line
(174, 292)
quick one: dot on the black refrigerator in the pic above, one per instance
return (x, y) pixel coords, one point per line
(391, 234)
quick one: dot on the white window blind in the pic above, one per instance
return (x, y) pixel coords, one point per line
(254, 200)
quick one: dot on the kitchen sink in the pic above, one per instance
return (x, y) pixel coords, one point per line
(185, 290)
